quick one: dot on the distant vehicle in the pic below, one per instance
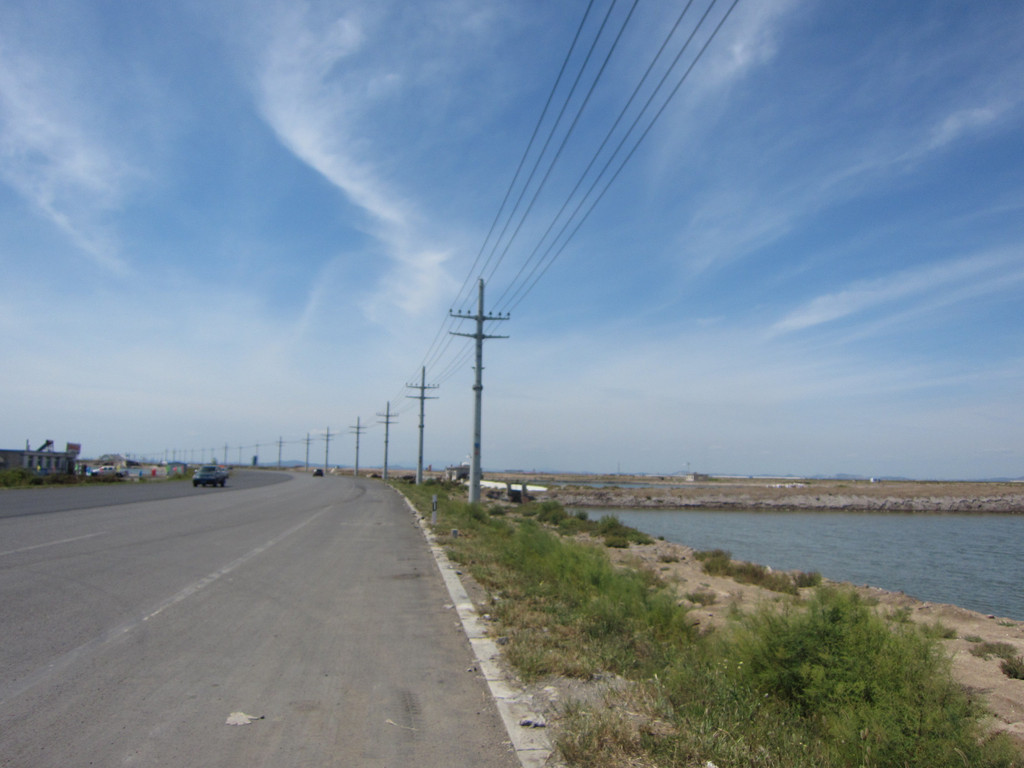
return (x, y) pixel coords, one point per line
(318, 473)
(108, 470)
(209, 474)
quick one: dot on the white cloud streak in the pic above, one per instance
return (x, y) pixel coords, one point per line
(317, 93)
(54, 155)
(314, 111)
(958, 280)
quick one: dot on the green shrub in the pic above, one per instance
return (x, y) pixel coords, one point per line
(551, 512)
(807, 579)
(717, 562)
(1013, 667)
(879, 695)
(13, 478)
(900, 616)
(615, 532)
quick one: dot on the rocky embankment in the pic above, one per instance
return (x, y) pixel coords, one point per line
(813, 495)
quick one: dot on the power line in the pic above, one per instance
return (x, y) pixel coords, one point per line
(525, 289)
(599, 150)
(569, 132)
(526, 152)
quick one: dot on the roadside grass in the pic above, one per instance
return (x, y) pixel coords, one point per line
(822, 682)
(23, 478)
(984, 650)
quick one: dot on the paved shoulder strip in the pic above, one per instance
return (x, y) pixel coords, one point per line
(531, 744)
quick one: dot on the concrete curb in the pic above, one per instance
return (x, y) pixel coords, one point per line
(531, 744)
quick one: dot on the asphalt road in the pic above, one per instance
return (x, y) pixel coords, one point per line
(42, 499)
(132, 632)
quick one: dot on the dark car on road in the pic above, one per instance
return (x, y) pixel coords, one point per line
(210, 474)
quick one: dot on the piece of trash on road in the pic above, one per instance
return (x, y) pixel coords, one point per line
(240, 718)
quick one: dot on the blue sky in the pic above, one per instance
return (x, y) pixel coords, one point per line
(229, 223)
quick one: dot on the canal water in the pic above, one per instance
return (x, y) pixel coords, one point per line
(974, 561)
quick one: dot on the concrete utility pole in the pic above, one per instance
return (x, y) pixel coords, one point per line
(387, 431)
(478, 387)
(358, 429)
(307, 451)
(280, 442)
(327, 447)
(225, 454)
(422, 396)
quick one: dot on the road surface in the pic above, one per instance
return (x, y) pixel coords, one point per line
(308, 610)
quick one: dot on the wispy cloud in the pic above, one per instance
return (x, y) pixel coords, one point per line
(317, 88)
(936, 285)
(750, 40)
(755, 191)
(314, 108)
(53, 154)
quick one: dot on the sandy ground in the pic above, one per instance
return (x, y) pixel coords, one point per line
(675, 563)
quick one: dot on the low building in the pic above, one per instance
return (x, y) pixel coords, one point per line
(457, 473)
(45, 460)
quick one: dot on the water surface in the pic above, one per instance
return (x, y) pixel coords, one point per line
(974, 561)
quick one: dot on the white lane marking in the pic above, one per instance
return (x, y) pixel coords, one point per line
(66, 660)
(191, 589)
(51, 543)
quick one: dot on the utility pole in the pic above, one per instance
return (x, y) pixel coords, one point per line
(307, 451)
(327, 447)
(280, 442)
(387, 431)
(478, 387)
(358, 429)
(225, 454)
(422, 396)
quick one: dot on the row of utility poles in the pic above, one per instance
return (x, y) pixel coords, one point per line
(478, 335)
